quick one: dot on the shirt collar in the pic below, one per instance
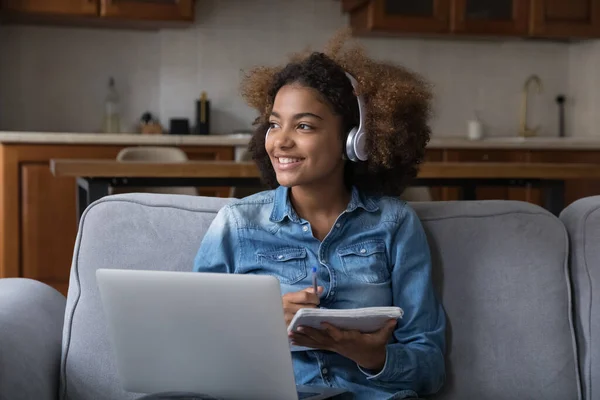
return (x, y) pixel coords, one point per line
(282, 206)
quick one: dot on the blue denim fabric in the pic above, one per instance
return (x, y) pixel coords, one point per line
(376, 254)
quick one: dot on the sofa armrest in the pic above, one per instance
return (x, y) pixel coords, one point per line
(31, 321)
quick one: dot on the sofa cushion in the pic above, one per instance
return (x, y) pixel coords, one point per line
(582, 219)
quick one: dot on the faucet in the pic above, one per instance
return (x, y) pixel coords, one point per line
(524, 130)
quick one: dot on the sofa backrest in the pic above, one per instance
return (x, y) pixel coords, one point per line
(501, 270)
(499, 267)
(582, 219)
(128, 231)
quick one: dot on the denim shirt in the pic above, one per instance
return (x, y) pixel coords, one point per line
(376, 254)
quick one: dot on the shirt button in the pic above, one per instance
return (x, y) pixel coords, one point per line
(305, 228)
(324, 371)
(363, 251)
(338, 225)
(279, 257)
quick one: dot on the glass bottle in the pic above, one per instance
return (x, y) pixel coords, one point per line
(112, 123)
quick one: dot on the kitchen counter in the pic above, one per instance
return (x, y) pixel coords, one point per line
(241, 140)
(518, 143)
(122, 139)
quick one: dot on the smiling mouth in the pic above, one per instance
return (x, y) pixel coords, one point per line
(288, 162)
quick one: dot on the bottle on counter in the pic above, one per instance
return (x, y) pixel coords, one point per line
(112, 118)
(203, 115)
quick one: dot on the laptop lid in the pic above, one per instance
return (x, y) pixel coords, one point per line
(222, 335)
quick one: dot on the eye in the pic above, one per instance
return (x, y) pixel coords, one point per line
(304, 127)
(273, 125)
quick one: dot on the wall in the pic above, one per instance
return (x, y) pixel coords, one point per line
(55, 79)
(165, 72)
(583, 107)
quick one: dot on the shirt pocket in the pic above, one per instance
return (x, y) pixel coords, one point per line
(365, 261)
(286, 264)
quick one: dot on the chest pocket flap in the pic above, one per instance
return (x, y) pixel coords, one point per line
(365, 261)
(286, 264)
(363, 249)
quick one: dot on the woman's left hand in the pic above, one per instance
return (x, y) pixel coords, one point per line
(366, 349)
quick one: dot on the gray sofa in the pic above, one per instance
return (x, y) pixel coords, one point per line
(516, 328)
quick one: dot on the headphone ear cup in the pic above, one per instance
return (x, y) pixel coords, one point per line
(349, 148)
(360, 146)
(356, 145)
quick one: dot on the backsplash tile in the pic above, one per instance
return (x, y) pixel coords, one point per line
(165, 71)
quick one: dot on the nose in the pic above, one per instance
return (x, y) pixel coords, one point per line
(280, 138)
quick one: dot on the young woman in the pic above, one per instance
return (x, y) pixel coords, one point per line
(335, 206)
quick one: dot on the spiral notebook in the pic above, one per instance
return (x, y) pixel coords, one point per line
(366, 320)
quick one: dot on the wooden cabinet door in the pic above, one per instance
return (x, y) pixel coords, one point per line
(48, 225)
(65, 7)
(175, 10)
(491, 17)
(566, 18)
(351, 5)
(406, 16)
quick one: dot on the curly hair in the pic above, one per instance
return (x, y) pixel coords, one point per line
(398, 108)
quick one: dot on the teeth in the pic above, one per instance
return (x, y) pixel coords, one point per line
(288, 160)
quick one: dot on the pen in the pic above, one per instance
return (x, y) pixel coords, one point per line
(314, 279)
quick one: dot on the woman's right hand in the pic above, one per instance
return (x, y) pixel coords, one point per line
(294, 301)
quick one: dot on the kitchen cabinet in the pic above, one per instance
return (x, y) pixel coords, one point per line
(491, 17)
(49, 225)
(56, 7)
(178, 10)
(560, 18)
(351, 5)
(118, 13)
(408, 16)
(38, 214)
(557, 19)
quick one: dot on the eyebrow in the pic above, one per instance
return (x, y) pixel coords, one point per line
(298, 116)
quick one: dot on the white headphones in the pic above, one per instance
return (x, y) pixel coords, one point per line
(356, 142)
(355, 148)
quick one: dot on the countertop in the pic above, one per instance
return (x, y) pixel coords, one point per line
(122, 139)
(241, 140)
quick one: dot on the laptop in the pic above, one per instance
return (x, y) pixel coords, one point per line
(216, 335)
